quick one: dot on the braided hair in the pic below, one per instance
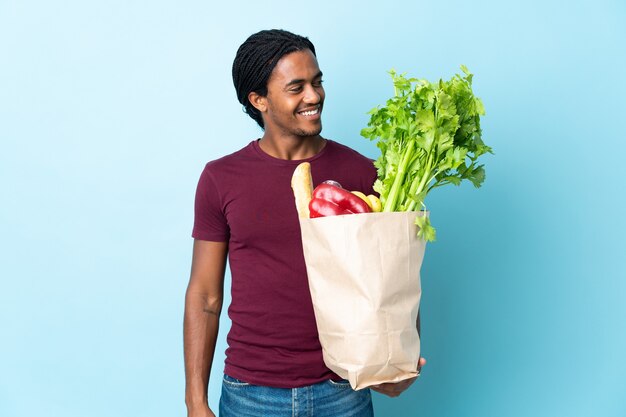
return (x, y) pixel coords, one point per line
(256, 59)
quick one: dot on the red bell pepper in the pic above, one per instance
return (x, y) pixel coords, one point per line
(329, 200)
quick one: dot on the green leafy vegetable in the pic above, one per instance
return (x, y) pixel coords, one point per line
(429, 135)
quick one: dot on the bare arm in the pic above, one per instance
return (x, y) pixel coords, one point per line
(203, 304)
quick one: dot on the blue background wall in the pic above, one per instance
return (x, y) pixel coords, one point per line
(109, 110)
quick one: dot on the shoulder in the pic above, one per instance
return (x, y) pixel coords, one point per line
(231, 166)
(349, 167)
(222, 172)
(234, 159)
(337, 149)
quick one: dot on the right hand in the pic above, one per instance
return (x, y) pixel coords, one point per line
(393, 389)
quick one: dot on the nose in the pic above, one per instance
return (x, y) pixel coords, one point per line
(312, 96)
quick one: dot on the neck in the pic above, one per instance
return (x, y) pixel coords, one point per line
(292, 148)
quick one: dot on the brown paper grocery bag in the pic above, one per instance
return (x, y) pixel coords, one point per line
(364, 276)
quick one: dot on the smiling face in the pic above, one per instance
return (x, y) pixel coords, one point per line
(295, 97)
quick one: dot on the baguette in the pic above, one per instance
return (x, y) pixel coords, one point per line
(302, 185)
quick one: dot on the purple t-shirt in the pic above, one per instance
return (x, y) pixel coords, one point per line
(246, 199)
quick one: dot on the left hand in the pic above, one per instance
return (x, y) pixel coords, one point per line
(393, 389)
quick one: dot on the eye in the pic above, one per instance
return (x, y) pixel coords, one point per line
(318, 83)
(296, 89)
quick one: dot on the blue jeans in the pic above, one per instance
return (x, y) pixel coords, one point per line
(326, 399)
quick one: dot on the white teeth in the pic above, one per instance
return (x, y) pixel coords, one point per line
(310, 112)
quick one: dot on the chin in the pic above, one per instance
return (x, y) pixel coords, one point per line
(310, 132)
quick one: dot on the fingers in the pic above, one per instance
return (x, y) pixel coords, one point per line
(393, 389)
(420, 363)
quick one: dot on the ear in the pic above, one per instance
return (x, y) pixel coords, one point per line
(258, 101)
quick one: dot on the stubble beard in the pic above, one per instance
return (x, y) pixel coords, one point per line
(308, 133)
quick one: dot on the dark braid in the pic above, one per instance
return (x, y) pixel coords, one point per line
(256, 59)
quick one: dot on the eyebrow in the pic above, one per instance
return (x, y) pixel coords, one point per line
(301, 80)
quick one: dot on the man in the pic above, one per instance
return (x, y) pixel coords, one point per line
(245, 211)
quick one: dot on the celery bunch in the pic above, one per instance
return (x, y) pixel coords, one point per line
(429, 135)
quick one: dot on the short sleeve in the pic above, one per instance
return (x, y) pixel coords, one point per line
(373, 176)
(209, 219)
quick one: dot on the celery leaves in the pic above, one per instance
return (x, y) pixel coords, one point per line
(429, 135)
